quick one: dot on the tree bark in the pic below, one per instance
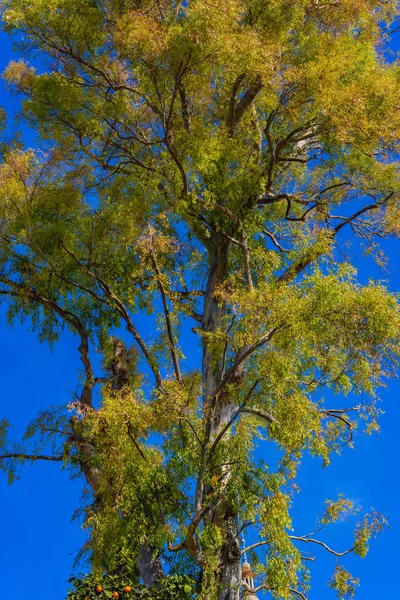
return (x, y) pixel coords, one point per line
(149, 565)
(213, 316)
(231, 572)
(229, 576)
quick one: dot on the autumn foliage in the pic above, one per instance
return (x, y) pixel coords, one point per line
(204, 178)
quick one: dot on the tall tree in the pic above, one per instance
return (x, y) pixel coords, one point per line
(204, 171)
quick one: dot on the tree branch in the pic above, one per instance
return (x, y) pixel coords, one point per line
(297, 593)
(305, 539)
(309, 540)
(233, 418)
(133, 440)
(236, 111)
(169, 135)
(23, 456)
(350, 426)
(255, 545)
(274, 240)
(122, 310)
(72, 320)
(168, 323)
(246, 261)
(262, 415)
(244, 353)
(354, 216)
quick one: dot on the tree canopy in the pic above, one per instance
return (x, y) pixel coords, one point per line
(204, 176)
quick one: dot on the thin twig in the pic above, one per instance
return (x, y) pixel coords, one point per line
(131, 437)
(167, 315)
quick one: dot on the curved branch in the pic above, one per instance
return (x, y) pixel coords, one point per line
(267, 588)
(305, 539)
(367, 208)
(308, 540)
(244, 353)
(255, 545)
(302, 596)
(297, 267)
(335, 415)
(274, 240)
(262, 415)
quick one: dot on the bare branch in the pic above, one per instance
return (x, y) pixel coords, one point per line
(274, 240)
(305, 539)
(133, 440)
(72, 320)
(274, 198)
(267, 588)
(350, 426)
(192, 428)
(23, 456)
(354, 216)
(341, 410)
(309, 540)
(363, 210)
(297, 593)
(255, 545)
(170, 143)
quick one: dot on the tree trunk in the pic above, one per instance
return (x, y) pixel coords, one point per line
(229, 576)
(150, 568)
(213, 316)
(231, 572)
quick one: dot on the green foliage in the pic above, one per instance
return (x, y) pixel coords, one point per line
(174, 586)
(208, 173)
(343, 583)
(336, 510)
(372, 525)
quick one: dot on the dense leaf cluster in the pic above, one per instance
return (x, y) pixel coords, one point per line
(88, 587)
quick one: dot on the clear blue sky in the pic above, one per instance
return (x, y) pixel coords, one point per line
(39, 541)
